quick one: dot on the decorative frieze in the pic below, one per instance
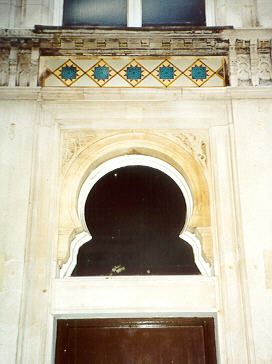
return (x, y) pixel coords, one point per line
(133, 72)
(247, 53)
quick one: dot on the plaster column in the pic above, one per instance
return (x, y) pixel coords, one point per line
(17, 134)
(39, 266)
(232, 328)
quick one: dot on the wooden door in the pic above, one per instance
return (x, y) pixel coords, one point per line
(136, 341)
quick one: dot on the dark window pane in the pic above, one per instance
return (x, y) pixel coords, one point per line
(95, 12)
(135, 215)
(173, 12)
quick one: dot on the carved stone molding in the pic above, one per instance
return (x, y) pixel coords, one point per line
(75, 141)
(85, 150)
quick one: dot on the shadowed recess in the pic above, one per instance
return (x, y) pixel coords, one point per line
(135, 215)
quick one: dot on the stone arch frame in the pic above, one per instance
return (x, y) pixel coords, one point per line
(99, 157)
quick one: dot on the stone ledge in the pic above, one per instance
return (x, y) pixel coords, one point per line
(59, 94)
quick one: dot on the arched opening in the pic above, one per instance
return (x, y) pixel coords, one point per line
(135, 215)
(83, 234)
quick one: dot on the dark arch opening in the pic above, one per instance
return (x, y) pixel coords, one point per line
(135, 215)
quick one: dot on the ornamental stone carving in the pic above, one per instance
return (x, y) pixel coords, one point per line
(195, 145)
(72, 144)
(265, 69)
(4, 67)
(24, 69)
(243, 70)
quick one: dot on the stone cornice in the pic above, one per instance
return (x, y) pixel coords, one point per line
(104, 95)
(86, 41)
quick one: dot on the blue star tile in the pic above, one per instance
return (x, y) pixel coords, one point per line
(166, 73)
(134, 73)
(68, 73)
(199, 73)
(101, 73)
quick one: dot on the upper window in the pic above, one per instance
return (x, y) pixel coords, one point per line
(95, 12)
(134, 12)
(173, 12)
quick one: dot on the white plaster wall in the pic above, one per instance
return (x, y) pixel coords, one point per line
(253, 135)
(26, 14)
(228, 12)
(9, 13)
(264, 13)
(37, 12)
(16, 141)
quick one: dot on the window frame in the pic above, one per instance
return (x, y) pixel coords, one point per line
(134, 13)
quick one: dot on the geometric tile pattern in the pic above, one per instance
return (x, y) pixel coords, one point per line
(174, 71)
(69, 72)
(133, 73)
(199, 72)
(166, 73)
(101, 72)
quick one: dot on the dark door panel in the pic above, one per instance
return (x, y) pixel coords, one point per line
(136, 341)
